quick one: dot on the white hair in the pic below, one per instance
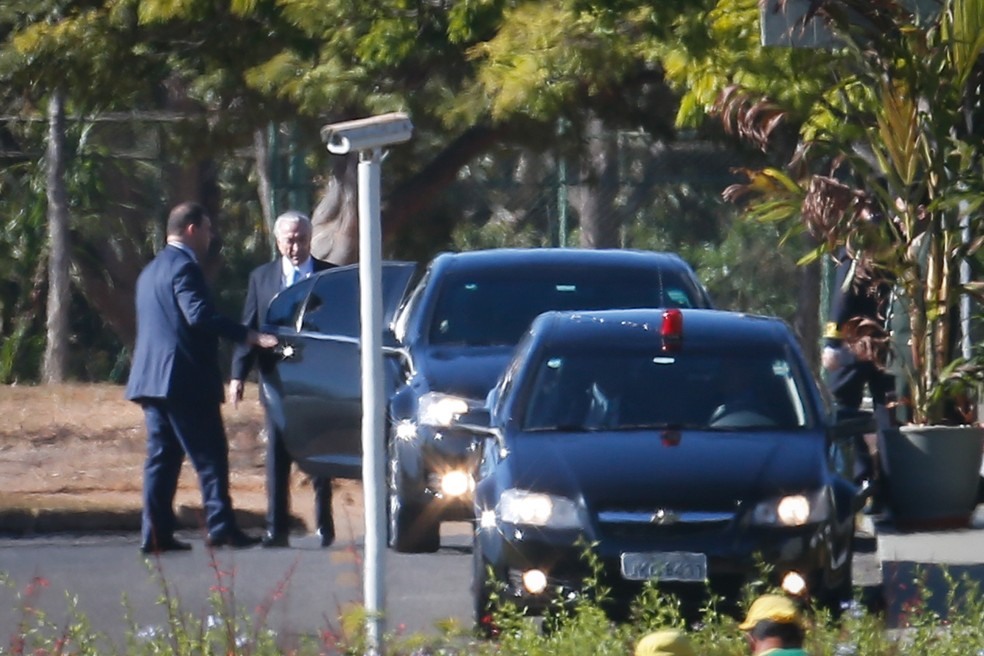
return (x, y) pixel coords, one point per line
(291, 217)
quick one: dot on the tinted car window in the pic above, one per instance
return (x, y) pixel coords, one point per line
(284, 306)
(333, 305)
(625, 389)
(321, 310)
(482, 310)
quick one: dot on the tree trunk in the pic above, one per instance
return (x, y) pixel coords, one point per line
(806, 323)
(336, 216)
(596, 193)
(264, 184)
(55, 366)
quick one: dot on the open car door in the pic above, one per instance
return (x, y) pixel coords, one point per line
(313, 378)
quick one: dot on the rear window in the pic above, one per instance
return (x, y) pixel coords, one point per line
(478, 311)
(624, 390)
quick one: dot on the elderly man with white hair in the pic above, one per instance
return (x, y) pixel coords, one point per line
(292, 231)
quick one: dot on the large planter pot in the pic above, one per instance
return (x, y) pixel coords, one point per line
(933, 474)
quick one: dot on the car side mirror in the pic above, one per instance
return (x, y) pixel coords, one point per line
(476, 420)
(393, 349)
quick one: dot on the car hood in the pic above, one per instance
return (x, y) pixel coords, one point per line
(701, 471)
(469, 372)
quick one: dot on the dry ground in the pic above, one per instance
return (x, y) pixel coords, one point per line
(81, 448)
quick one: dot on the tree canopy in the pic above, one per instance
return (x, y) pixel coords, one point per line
(482, 80)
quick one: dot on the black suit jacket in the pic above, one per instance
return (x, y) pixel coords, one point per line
(265, 282)
(176, 356)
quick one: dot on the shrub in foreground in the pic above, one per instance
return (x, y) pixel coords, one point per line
(579, 628)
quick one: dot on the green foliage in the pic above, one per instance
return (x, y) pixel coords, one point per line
(544, 56)
(895, 135)
(22, 271)
(719, 46)
(516, 67)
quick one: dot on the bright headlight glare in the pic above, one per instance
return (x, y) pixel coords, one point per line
(436, 409)
(534, 509)
(406, 430)
(794, 583)
(792, 510)
(535, 581)
(456, 483)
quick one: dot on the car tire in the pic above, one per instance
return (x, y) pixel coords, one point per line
(483, 587)
(409, 529)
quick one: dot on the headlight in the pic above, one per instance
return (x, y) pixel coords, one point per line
(435, 409)
(533, 509)
(792, 510)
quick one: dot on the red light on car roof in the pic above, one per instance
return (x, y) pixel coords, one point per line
(672, 329)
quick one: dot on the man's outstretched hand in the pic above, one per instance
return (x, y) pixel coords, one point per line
(263, 340)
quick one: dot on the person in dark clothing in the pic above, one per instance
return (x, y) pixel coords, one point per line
(854, 355)
(175, 377)
(292, 231)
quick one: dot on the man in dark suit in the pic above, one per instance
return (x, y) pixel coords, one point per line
(292, 231)
(175, 377)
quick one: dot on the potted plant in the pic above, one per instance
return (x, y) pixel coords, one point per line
(898, 134)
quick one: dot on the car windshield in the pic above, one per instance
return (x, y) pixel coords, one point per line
(619, 389)
(484, 310)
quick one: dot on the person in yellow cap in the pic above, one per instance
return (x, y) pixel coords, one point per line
(774, 626)
(668, 642)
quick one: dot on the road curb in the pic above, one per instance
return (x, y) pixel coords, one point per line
(42, 521)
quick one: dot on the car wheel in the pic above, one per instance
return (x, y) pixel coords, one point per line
(410, 531)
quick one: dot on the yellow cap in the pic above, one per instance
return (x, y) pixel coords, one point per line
(669, 642)
(775, 608)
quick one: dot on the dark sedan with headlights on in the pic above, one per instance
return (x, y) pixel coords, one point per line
(447, 344)
(685, 446)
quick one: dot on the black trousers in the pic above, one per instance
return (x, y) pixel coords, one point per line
(847, 386)
(278, 490)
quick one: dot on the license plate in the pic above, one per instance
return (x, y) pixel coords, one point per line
(665, 566)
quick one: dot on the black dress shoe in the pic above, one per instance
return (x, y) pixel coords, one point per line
(275, 541)
(327, 539)
(234, 540)
(160, 546)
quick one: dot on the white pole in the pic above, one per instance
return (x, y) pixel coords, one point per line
(373, 465)
(368, 136)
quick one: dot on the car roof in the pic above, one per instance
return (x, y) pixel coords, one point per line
(533, 257)
(712, 330)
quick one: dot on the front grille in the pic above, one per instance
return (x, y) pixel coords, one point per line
(661, 523)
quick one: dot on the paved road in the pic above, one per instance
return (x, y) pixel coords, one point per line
(309, 585)
(312, 585)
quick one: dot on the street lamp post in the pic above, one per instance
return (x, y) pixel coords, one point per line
(368, 137)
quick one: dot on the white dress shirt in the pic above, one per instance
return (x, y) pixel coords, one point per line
(288, 270)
